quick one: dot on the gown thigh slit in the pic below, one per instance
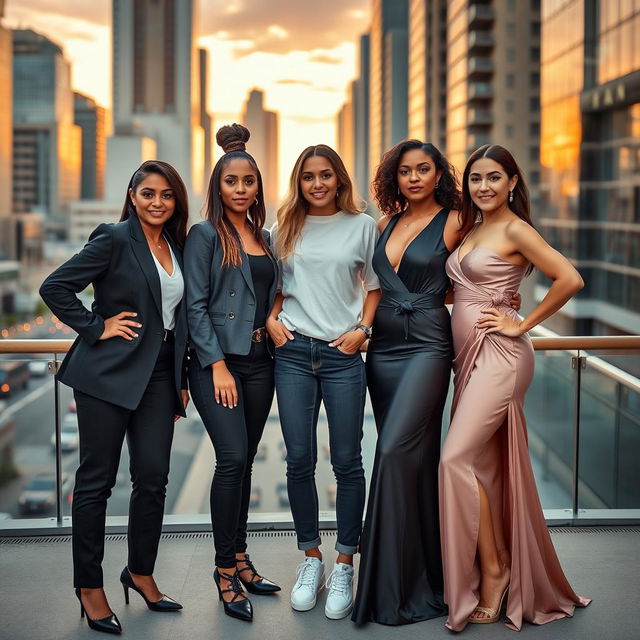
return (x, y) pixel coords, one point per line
(408, 369)
(487, 444)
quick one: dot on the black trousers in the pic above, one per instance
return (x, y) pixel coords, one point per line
(149, 431)
(235, 434)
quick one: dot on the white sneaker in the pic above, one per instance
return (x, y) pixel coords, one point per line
(340, 597)
(305, 590)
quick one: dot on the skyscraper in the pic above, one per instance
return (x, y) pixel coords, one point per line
(492, 91)
(388, 77)
(263, 145)
(590, 150)
(90, 117)
(205, 119)
(345, 132)
(427, 100)
(360, 101)
(6, 139)
(156, 84)
(46, 142)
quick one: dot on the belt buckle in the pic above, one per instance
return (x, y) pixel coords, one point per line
(258, 335)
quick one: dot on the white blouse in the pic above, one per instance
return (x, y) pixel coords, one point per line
(172, 288)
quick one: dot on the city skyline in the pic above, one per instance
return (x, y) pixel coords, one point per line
(302, 61)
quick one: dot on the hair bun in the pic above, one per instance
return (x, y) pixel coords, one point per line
(233, 137)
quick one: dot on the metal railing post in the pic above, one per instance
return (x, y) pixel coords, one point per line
(53, 366)
(578, 363)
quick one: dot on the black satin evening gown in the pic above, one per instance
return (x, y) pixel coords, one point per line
(408, 370)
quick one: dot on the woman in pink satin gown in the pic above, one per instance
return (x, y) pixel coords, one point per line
(495, 542)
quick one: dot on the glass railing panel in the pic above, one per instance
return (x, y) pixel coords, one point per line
(550, 414)
(27, 441)
(609, 431)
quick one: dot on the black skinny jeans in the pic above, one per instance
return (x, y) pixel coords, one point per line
(235, 434)
(149, 431)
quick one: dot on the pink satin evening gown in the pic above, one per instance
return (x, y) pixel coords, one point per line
(487, 443)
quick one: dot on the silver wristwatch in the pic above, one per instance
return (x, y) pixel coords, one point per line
(367, 330)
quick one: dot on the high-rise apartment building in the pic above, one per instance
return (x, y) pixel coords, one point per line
(46, 142)
(492, 91)
(388, 77)
(427, 75)
(156, 83)
(590, 157)
(360, 106)
(90, 117)
(263, 145)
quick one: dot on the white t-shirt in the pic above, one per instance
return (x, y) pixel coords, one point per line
(325, 279)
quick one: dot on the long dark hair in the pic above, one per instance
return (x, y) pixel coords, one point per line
(233, 138)
(469, 213)
(176, 226)
(385, 184)
(291, 214)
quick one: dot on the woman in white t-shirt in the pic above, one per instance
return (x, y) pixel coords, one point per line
(321, 317)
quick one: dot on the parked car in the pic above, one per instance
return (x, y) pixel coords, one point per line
(39, 496)
(14, 375)
(69, 435)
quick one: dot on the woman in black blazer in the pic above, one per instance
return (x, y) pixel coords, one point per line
(231, 284)
(128, 371)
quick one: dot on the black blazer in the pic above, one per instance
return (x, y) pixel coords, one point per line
(221, 302)
(118, 263)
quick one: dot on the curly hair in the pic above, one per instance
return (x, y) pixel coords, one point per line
(385, 184)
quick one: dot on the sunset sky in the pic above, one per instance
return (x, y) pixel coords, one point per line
(301, 53)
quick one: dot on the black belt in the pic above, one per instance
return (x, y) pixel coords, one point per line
(405, 303)
(259, 334)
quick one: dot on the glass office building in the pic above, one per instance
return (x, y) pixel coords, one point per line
(590, 156)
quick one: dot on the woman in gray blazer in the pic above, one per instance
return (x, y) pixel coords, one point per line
(128, 372)
(231, 281)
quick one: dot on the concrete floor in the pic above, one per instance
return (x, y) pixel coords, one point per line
(37, 601)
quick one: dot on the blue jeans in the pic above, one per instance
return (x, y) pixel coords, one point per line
(308, 371)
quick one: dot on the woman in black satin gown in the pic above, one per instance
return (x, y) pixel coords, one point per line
(408, 369)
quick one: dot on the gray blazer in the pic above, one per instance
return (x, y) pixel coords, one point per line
(221, 302)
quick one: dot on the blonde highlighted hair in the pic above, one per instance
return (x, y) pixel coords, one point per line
(292, 213)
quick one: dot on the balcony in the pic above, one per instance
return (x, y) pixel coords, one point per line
(480, 91)
(479, 67)
(479, 118)
(480, 42)
(481, 16)
(583, 413)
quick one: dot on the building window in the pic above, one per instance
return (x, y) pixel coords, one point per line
(534, 104)
(534, 128)
(511, 29)
(508, 130)
(510, 105)
(535, 54)
(511, 80)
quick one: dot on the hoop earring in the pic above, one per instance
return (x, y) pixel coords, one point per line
(256, 200)
(511, 196)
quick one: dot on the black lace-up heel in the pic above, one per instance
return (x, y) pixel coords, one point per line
(235, 608)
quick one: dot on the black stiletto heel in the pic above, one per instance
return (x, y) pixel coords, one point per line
(259, 587)
(240, 609)
(110, 624)
(165, 603)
